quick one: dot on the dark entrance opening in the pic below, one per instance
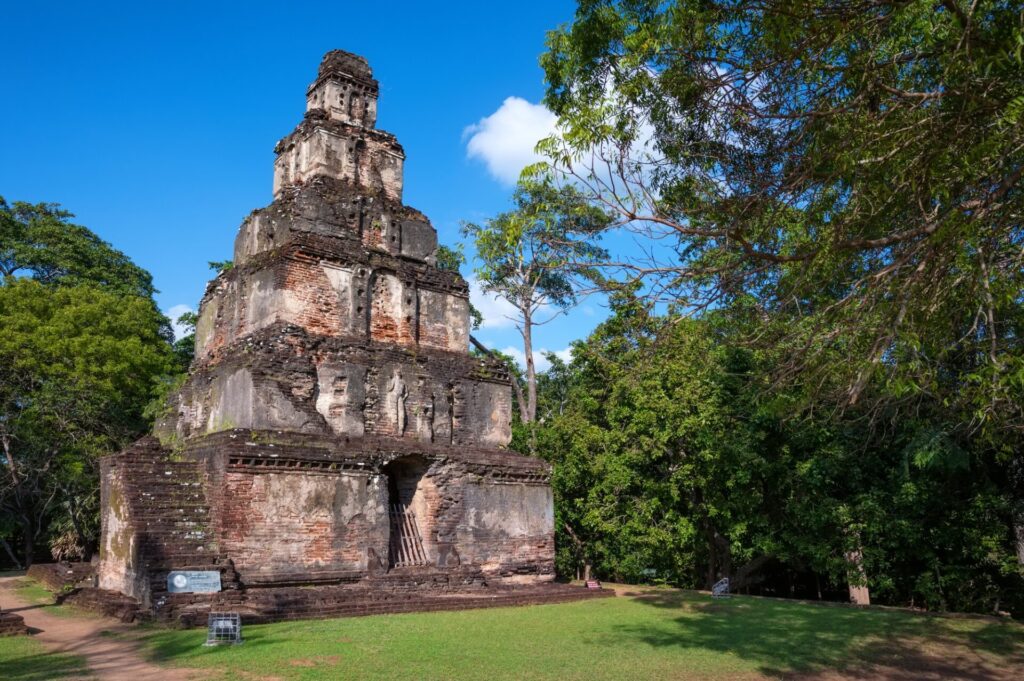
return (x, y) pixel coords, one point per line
(407, 511)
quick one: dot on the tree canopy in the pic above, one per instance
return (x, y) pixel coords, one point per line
(850, 170)
(77, 365)
(39, 240)
(672, 466)
(82, 347)
(524, 257)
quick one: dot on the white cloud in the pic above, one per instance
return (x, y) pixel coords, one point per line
(505, 140)
(539, 360)
(173, 314)
(497, 312)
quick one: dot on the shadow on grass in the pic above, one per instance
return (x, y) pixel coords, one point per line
(787, 638)
(168, 645)
(42, 667)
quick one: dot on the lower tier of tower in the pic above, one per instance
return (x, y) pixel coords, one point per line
(266, 509)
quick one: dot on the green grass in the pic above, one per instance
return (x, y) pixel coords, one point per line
(665, 635)
(23, 659)
(35, 593)
(32, 591)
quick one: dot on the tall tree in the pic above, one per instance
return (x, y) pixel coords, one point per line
(524, 256)
(40, 241)
(77, 365)
(853, 166)
(672, 463)
(82, 344)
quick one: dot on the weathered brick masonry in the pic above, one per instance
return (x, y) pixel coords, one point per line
(334, 431)
(12, 624)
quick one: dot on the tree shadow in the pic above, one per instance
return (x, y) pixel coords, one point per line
(43, 667)
(803, 639)
(173, 645)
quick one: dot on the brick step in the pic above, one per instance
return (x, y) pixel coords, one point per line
(12, 624)
(269, 605)
(109, 603)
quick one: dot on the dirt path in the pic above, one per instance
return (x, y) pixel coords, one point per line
(110, 658)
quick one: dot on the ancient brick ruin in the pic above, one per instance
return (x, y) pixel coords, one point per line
(334, 430)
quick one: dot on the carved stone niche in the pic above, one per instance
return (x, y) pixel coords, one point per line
(419, 239)
(341, 397)
(392, 309)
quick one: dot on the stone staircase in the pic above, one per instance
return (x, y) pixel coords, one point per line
(168, 507)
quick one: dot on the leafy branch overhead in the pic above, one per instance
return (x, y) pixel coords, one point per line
(848, 175)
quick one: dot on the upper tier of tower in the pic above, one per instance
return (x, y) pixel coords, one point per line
(345, 89)
(337, 138)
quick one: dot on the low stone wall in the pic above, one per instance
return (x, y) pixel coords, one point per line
(278, 604)
(59, 577)
(12, 624)
(104, 602)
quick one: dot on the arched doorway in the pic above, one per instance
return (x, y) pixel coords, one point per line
(410, 498)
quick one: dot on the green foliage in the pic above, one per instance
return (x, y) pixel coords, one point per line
(451, 260)
(673, 464)
(220, 266)
(851, 172)
(40, 241)
(526, 258)
(185, 347)
(81, 346)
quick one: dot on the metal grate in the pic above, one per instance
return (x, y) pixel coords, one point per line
(223, 628)
(406, 547)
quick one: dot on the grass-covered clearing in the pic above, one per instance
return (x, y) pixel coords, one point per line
(24, 659)
(663, 635)
(660, 634)
(33, 592)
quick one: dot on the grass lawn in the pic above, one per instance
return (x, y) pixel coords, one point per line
(661, 635)
(24, 659)
(35, 593)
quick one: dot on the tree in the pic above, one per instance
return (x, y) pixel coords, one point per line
(673, 464)
(185, 347)
(523, 255)
(40, 241)
(852, 170)
(77, 365)
(83, 345)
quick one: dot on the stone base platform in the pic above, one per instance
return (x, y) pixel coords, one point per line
(12, 624)
(102, 601)
(60, 577)
(274, 604)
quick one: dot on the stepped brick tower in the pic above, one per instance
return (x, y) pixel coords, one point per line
(334, 429)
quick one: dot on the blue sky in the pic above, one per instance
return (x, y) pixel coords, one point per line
(155, 122)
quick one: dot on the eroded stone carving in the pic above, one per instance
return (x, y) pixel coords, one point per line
(398, 393)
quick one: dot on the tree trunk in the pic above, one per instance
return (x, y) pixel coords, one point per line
(857, 577)
(1016, 470)
(29, 545)
(1018, 531)
(531, 370)
(10, 552)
